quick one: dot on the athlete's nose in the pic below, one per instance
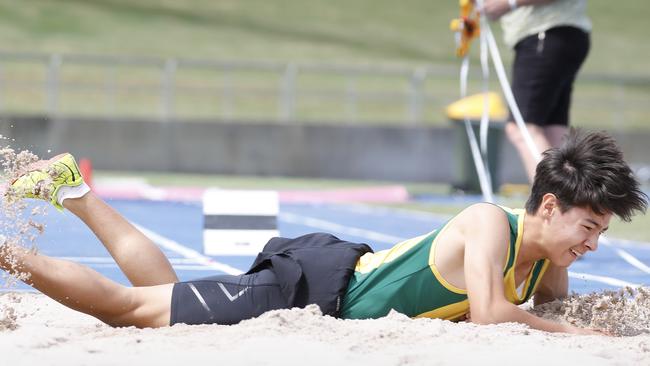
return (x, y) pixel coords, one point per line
(592, 243)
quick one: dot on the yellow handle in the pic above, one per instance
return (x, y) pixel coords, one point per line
(455, 25)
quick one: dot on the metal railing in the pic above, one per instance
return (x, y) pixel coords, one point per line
(181, 89)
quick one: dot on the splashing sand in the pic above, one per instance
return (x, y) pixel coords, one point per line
(8, 316)
(19, 226)
(625, 312)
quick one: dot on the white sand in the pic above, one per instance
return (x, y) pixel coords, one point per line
(47, 333)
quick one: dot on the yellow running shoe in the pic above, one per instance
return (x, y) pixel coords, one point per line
(46, 177)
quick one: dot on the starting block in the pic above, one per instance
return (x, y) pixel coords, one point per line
(238, 222)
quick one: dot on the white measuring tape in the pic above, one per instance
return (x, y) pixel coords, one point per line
(488, 47)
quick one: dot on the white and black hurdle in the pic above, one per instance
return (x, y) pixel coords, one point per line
(238, 222)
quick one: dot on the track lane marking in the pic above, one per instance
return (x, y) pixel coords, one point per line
(187, 252)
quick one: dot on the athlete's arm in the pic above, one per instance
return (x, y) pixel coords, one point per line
(554, 285)
(486, 233)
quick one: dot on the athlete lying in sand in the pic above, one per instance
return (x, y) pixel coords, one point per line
(484, 261)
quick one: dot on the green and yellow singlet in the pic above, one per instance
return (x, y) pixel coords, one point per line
(406, 279)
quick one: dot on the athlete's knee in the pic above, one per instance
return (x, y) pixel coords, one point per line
(513, 133)
(115, 311)
(516, 136)
(140, 307)
(556, 134)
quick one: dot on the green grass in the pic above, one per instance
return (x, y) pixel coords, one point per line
(360, 32)
(411, 31)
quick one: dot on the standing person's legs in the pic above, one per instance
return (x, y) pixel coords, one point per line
(543, 75)
(82, 289)
(538, 136)
(558, 121)
(555, 134)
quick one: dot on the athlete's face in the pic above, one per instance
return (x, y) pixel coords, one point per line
(572, 233)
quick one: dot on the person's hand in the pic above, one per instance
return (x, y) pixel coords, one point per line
(466, 318)
(494, 9)
(588, 331)
(595, 331)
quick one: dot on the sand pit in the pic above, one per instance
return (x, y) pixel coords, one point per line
(44, 332)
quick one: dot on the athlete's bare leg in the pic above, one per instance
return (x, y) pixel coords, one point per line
(85, 290)
(143, 263)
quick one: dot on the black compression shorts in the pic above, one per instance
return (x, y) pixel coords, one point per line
(225, 299)
(543, 73)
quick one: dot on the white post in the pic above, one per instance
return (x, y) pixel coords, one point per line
(110, 91)
(52, 85)
(288, 92)
(227, 95)
(351, 98)
(418, 77)
(1, 85)
(167, 94)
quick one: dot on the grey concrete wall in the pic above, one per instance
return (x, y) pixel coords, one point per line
(397, 153)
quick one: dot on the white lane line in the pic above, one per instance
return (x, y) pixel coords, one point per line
(110, 260)
(180, 267)
(9, 289)
(641, 245)
(626, 256)
(336, 228)
(602, 279)
(366, 209)
(373, 235)
(187, 252)
(632, 260)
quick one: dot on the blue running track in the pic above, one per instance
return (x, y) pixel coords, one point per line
(177, 229)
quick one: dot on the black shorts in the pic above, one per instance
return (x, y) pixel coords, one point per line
(225, 299)
(544, 71)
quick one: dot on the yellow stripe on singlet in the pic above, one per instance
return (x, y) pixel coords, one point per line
(371, 261)
(449, 312)
(510, 285)
(434, 268)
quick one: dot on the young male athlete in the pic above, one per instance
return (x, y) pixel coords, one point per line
(483, 262)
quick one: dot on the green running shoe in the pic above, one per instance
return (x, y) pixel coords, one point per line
(46, 177)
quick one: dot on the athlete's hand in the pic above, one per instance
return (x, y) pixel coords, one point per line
(588, 331)
(495, 9)
(466, 318)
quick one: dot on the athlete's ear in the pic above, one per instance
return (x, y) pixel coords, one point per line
(549, 204)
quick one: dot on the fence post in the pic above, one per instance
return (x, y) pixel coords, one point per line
(2, 82)
(227, 94)
(110, 91)
(619, 111)
(52, 85)
(167, 93)
(418, 78)
(288, 92)
(351, 97)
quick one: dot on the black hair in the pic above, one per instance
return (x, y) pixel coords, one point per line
(588, 171)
